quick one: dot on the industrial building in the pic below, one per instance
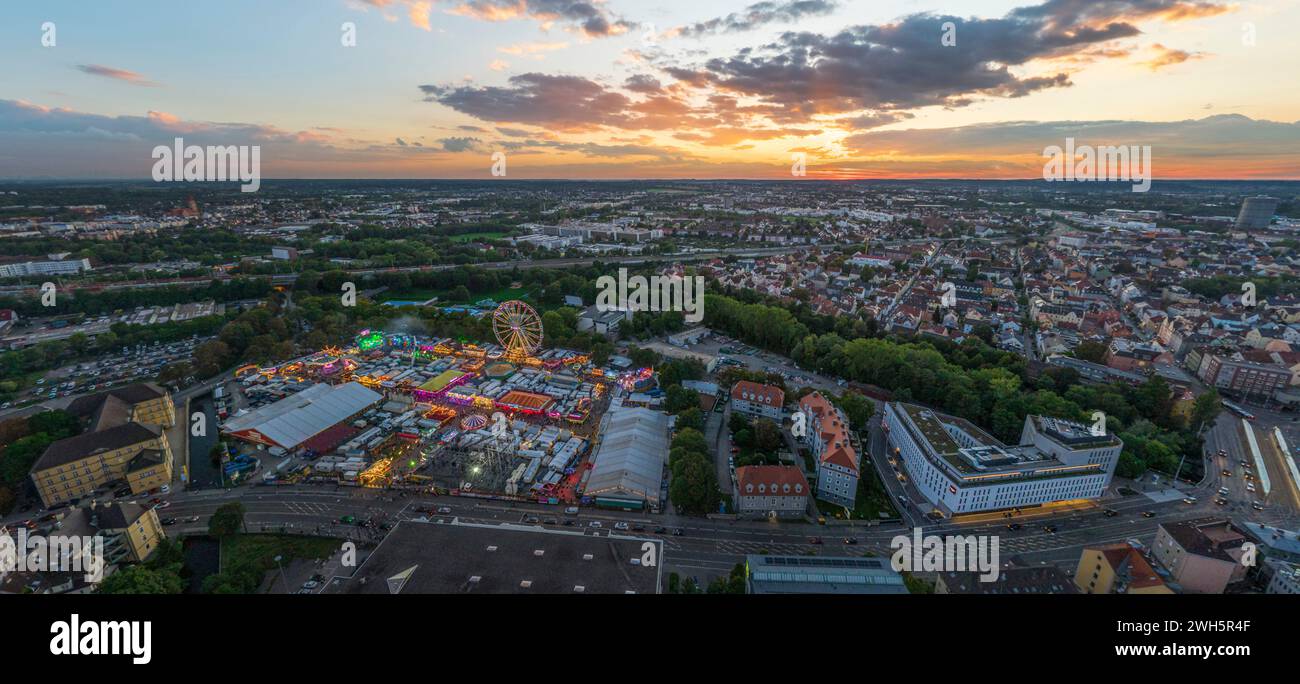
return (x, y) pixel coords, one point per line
(960, 468)
(630, 459)
(290, 422)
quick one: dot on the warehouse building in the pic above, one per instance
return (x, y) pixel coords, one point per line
(290, 422)
(629, 460)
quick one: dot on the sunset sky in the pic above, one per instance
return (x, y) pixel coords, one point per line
(641, 89)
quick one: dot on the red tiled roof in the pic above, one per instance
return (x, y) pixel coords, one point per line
(835, 435)
(771, 480)
(758, 394)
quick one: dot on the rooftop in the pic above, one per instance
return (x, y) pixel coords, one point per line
(434, 558)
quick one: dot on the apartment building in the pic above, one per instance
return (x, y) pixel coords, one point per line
(1203, 558)
(837, 461)
(762, 401)
(771, 491)
(124, 442)
(1117, 569)
(960, 468)
(1243, 377)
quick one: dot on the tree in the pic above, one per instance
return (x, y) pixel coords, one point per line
(1206, 408)
(227, 520)
(141, 579)
(690, 418)
(1091, 351)
(694, 487)
(767, 436)
(691, 440)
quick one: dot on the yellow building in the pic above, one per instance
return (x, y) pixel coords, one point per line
(75, 467)
(124, 441)
(143, 402)
(1117, 569)
(131, 532)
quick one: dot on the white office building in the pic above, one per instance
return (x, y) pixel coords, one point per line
(43, 268)
(960, 468)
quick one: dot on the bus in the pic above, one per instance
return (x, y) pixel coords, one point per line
(1239, 410)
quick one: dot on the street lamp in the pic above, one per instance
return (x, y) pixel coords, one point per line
(282, 578)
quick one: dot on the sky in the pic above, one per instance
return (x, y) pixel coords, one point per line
(592, 89)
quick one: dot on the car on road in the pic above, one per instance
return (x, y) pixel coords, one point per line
(1226, 473)
(595, 523)
(1223, 491)
(1110, 512)
(678, 532)
(1014, 526)
(310, 584)
(348, 520)
(1257, 505)
(1250, 488)
(1189, 499)
(621, 526)
(1050, 529)
(661, 530)
(161, 506)
(814, 540)
(850, 540)
(531, 519)
(568, 523)
(1148, 514)
(169, 521)
(444, 510)
(1221, 501)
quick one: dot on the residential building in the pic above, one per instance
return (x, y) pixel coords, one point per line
(1117, 569)
(960, 468)
(124, 442)
(771, 491)
(1203, 558)
(762, 401)
(75, 467)
(827, 433)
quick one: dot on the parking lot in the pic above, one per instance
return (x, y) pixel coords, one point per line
(128, 365)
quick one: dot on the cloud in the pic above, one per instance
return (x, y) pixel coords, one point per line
(118, 74)
(1226, 145)
(567, 102)
(498, 65)
(590, 18)
(532, 49)
(758, 15)
(459, 144)
(904, 66)
(1169, 57)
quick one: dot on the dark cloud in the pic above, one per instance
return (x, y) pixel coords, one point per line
(759, 14)
(569, 102)
(589, 18)
(459, 144)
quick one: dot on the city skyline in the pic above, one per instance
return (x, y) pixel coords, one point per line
(617, 90)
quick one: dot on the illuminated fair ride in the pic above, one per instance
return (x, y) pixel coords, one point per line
(518, 329)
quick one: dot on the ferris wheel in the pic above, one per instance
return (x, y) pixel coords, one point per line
(518, 328)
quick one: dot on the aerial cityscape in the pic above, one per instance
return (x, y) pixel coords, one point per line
(813, 297)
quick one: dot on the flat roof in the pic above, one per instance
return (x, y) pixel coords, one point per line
(822, 575)
(457, 558)
(299, 417)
